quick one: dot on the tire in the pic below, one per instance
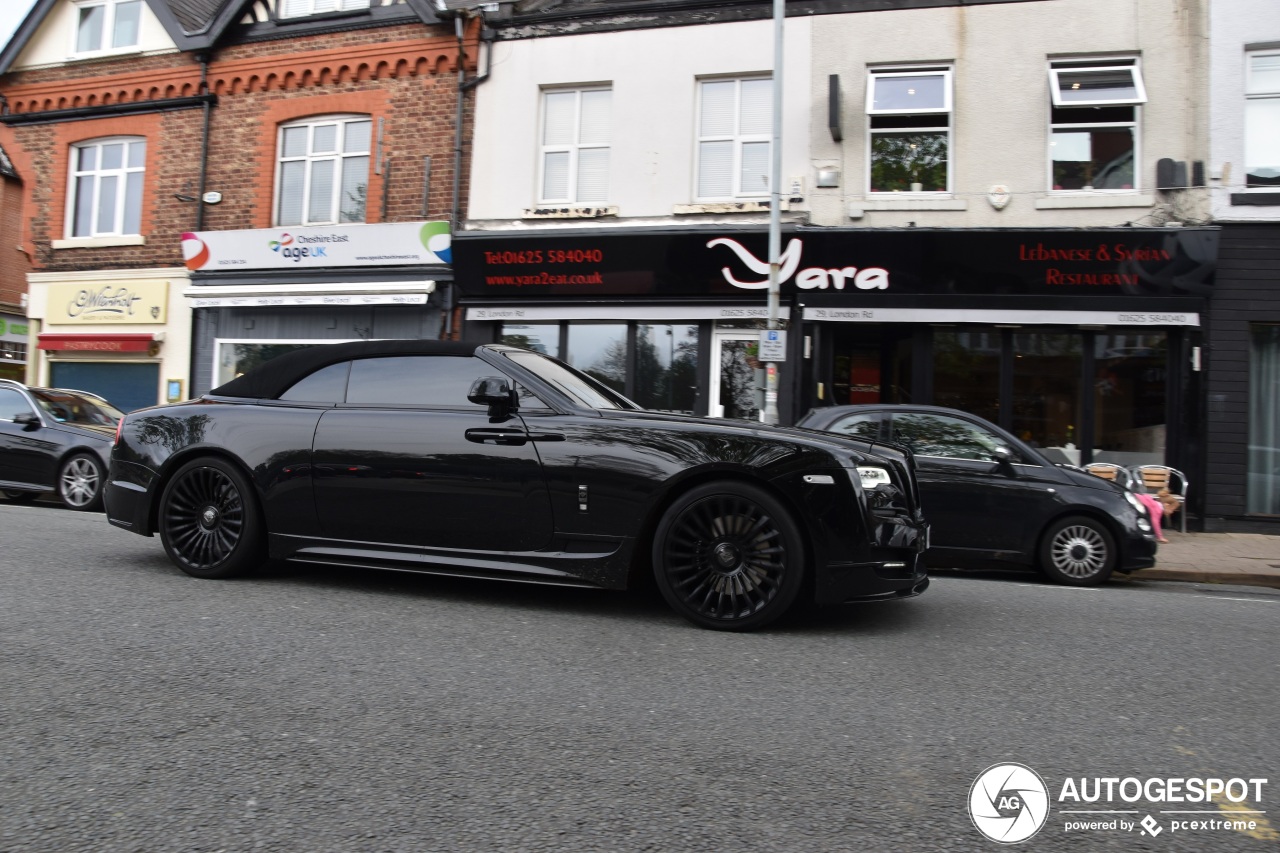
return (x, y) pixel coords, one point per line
(209, 521)
(728, 556)
(1078, 551)
(17, 496)
(80, 481)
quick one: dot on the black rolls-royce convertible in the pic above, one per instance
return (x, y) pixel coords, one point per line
(496, 462)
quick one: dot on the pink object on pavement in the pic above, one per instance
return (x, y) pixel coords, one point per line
(1155, 510)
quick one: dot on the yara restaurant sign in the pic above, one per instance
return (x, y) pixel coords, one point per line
(810, 278)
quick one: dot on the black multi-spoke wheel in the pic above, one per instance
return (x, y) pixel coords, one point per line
(80, 480)
(1078, 551)
(209, 520)
(728, 556)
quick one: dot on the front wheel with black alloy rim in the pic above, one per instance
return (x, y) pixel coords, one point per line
(729, 556)
(1078, 551)
(209, 520)
(80, 482)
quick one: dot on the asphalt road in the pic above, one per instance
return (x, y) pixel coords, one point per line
(313, 710)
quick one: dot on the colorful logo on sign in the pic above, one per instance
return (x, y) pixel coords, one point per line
(286, 239)
(435, 238)
(194, 251)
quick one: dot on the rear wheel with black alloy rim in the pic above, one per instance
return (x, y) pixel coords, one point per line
(729, 556)
(80, 480)
(209, 520)
(1078, 551)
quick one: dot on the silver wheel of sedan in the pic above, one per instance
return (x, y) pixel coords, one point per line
(80, 482)
(1078, 551)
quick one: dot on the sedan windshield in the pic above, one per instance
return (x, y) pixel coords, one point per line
(579, 387)
(68, 407)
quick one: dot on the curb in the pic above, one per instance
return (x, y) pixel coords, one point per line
(1238, 578)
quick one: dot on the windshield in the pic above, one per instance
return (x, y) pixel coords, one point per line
(68, 407)
(579, 387)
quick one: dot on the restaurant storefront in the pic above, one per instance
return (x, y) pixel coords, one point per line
(259, 293)
(13, 346)
(1084, 342)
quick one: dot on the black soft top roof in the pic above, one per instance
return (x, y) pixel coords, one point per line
(279, 375)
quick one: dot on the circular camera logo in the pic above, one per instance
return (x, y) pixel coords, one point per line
(1009, 803)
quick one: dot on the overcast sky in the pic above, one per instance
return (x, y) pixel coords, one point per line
(11, 14)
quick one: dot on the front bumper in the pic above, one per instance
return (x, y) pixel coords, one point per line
(894, 566)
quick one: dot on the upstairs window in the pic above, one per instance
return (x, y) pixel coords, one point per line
(1093, 142)
(106, 187)
(104, 25)
(1262, 120)
(735, 127)
(323, 175)
(909, 125)
(575, 146)
(303, 8)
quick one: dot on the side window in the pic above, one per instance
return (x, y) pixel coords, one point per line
(860, 425)
(12, 404)
(422, 380)
(939, 435)
(326, 385)
(106, 187)
(323, 171)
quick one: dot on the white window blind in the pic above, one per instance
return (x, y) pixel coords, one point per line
(735, 123)
(576, 134)
(323, 172)
(107, 178)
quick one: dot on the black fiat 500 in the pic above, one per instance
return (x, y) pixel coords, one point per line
(993, 500)
(496, 462)
(54, 440)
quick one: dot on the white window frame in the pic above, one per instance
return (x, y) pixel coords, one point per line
(1255, 93)
(105, 48)
(1135, 74)
(306, 8)
(339, 156)
(573, 149)
(75, 176)
(1097, 64)
(947, 73)
(737, 138)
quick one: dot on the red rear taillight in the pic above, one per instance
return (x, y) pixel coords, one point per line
(119, 428)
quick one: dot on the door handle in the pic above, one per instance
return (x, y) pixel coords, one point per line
(546, 436)
(511, 437)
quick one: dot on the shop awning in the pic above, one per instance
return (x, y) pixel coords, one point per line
(97, 343)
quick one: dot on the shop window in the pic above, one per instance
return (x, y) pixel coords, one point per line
(1093, 142)
(539, 337)
(1262, 120)
(323, 171)
(735, 126)
(1130, 393)
(106, 187)
(666, 367)
(107, 25)
(576, 128)
(303, 8)
(1264, 420)
(1046, 392)
(600, 351)
(909, 129)
(966, 372)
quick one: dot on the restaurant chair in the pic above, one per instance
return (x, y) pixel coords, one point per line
(1117, 474)
(1154, 479)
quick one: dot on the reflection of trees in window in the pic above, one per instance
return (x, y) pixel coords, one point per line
(249, 356)
(899, 160)
(929, 435)
(611, 369)
(666, 368)
(738, 380)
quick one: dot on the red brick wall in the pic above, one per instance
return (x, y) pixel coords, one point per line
(403, 74)
(14, 265)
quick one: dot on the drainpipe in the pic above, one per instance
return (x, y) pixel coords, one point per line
(204, 139)
(464, 86)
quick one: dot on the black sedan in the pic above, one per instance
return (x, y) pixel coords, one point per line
(993, 500)
(54, 440)
(496, 462)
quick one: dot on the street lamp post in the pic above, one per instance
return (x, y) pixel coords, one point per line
(775, 210)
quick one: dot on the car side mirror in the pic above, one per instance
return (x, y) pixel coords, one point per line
(496, 393)
(1004, 459)
(27, 419)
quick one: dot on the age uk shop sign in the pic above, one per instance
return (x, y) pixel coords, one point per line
(297, 247)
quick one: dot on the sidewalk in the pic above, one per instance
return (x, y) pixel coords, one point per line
(1252, 559)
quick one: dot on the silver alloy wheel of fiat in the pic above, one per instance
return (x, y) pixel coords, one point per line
(80, 482)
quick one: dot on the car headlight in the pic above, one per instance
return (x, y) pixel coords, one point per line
(1135, 503)
(882, 493)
